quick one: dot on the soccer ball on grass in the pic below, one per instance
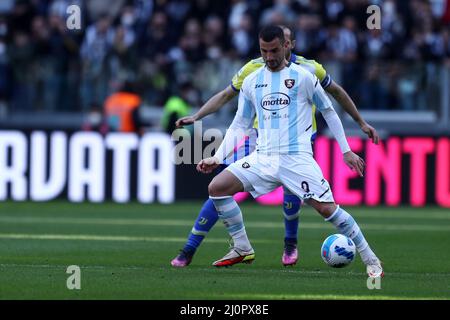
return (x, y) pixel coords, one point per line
(338, 251)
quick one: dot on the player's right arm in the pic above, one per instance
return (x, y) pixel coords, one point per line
(242, 121)
(221, 98)
(341, 97)
(212, 105)
(349, 106)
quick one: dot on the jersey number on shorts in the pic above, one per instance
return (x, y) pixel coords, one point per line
(305, 186)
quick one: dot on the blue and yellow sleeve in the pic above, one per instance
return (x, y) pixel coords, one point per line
(317, 69)
(248, 68)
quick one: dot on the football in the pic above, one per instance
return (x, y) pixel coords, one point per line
(338, 251)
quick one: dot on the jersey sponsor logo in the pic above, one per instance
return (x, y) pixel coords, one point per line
(260, 86)
(289, 83)
(275, 101)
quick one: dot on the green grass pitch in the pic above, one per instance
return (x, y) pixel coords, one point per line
(124, 252)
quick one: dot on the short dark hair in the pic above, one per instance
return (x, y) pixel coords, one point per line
(270, 33)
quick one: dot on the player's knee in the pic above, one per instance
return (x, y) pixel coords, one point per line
(212, 189)
(325, 209)
(216, 189)
(225, 184)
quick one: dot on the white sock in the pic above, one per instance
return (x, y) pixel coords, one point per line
(347, 226)
(231, 216)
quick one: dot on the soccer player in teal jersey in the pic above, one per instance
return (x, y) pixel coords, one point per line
(208, 215)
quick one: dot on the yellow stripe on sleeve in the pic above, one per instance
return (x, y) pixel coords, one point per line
(247, 69)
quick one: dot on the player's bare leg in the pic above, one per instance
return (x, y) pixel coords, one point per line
(347, 226)
(225, 184)
(221, 191)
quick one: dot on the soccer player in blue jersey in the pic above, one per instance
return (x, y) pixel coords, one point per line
(281, 96)
(208, 215)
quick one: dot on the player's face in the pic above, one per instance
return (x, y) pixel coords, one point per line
(273, 53)
(289, 42)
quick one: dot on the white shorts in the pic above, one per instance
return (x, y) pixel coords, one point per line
(299, 173)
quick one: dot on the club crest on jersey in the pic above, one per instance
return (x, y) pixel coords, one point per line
(245, 165)
(289, 83)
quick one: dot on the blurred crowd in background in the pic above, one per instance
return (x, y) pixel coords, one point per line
(160, 45)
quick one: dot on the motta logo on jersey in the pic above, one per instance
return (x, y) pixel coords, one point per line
(275, 101)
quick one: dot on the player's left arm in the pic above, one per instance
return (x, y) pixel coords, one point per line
(324, 105)
(349, 106)
(344, 100)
